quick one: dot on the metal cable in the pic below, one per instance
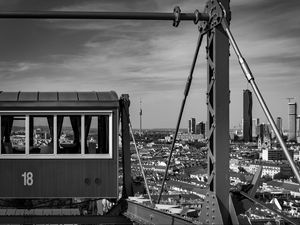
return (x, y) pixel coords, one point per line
(186, 92)
(248, 74)
(140, 162)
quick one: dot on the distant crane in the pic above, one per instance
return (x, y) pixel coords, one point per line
(290, 98)
(141, 114)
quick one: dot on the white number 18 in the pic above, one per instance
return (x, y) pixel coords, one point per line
(28, 178)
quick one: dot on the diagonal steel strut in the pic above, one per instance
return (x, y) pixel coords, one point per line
(250, 78)
(186, 92)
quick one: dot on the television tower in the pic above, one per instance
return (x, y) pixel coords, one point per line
(141, 114)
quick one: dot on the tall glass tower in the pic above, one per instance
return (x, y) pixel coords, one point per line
(247, 115)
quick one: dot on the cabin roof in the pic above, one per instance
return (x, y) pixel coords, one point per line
(58, 100)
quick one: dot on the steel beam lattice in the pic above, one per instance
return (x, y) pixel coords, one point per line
(217, 122)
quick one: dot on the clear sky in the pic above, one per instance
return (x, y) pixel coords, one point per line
(150, 60)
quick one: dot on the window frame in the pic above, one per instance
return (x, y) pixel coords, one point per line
(54, 155)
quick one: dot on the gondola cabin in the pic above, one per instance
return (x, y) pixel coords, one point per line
(59, 144)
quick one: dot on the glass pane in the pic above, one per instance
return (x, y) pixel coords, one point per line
(97, 134)
(69, 134)
(41, 134)
(13, 135)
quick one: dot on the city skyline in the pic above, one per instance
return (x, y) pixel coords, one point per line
(151, 60)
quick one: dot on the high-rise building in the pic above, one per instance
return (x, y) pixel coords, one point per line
(247, 115)
(190, 127)
(279, 124)
(193, 125)
(198, 128)
(202, 128)
(255, 123)
(292, 121)
(298, 128)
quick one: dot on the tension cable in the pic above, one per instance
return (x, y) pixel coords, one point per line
(140, 162)
(186, 92)
(248, 74)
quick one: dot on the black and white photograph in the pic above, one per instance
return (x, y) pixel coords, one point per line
(161, 112)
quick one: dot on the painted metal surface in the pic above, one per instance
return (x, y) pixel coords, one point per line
(196, 16)
(146, 215)
(58, 100)
(210, 211)
(63, 219)
(60, 175)
(58, 178)
(126, 156)
(218, 116)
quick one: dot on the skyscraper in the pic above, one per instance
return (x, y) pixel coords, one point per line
(298, 128)
(190, 127)
(247, 115)
(279, 124)
(255, 123)
(292, 121)
(193, 125)
(198, 128)
(202, 128)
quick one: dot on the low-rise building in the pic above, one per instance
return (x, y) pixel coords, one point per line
(275, 154)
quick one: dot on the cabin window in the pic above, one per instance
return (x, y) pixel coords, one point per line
(69, 134)
(96, 134)
(41, 134)
(57, 135)
(13, 138)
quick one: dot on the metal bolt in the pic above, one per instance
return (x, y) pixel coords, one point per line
(207, 214)
(97, 181)
(87, 181)
(213, 217)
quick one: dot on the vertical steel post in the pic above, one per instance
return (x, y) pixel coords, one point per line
(218, 122)
(126, 160)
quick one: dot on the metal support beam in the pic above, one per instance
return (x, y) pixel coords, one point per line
(63, 219)
(146, 215)
(196, 16)
(218, 117)
(126, 160)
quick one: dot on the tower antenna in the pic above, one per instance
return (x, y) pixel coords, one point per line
(141, 114)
